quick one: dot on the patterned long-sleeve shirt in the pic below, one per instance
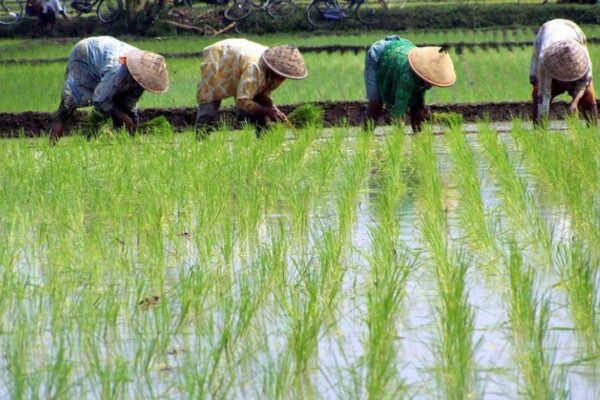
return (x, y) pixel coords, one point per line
(397, 84)
(232, 68)
(95, 76)
(551, 32)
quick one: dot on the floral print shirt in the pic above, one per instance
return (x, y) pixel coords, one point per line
(398, 86)
(232, 68)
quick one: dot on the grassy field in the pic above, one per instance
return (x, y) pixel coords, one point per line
(483, 76)
(304, 264)
(52, 48)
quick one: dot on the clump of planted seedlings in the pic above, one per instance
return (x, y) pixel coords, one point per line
(455, 349)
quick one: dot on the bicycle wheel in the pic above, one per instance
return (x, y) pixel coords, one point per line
(238, 11)
(317, 13)
(281, 8)
(11, 11)
(370, 11)
(109, 10)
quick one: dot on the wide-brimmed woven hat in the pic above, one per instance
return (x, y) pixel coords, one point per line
(149, 70)
(433, 65)
(566, 61)
(286, 61)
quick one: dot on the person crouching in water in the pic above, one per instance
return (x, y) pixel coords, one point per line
(249, 72)
(561, 63)
(110, 75)
(398, 73)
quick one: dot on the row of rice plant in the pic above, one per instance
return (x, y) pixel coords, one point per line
(308, 263)
(455, 346)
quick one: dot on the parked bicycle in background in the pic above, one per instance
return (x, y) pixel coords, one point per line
(106, 10)
(275, 8)
(322, 13)
(12, 11)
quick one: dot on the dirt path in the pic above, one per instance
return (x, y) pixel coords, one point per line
(336, 113)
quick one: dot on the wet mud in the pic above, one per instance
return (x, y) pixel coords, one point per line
(335, 114)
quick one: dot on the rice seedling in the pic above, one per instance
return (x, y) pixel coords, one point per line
(455, 350)
(308, 304)
(306, 115)
(353, 175)
(290, 265)
(473, 218)
(529, 318)
(517, 202)
(580, 279)
(567, 166)
(157, 126)
(389, 271)
(450, 119)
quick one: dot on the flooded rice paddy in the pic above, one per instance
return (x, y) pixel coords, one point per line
(313, 264)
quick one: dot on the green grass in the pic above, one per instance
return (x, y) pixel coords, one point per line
(51, 48)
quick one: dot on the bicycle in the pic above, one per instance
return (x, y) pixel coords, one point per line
(11, 11)
(322, 13)
(106, 10)
(274, 8)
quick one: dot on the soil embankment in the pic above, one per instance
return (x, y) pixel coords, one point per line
(336, 113)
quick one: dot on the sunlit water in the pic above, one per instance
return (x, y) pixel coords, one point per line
(341, 348)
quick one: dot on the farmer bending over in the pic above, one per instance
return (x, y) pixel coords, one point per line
(561, 63)
(110, 75)
(249, 72)
(397, 74)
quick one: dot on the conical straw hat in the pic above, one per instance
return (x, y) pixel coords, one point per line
(566, 60)
(286, 61)
(433, 65)
(149, 70)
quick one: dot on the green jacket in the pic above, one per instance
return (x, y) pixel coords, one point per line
(398, 86)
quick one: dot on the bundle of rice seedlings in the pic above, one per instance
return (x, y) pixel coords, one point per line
(306, 115)
(94, 122)
(158, 124)
(449, 119)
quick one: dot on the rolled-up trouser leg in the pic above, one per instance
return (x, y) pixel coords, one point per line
(207, 115)
(371, 79)
(375, 107)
